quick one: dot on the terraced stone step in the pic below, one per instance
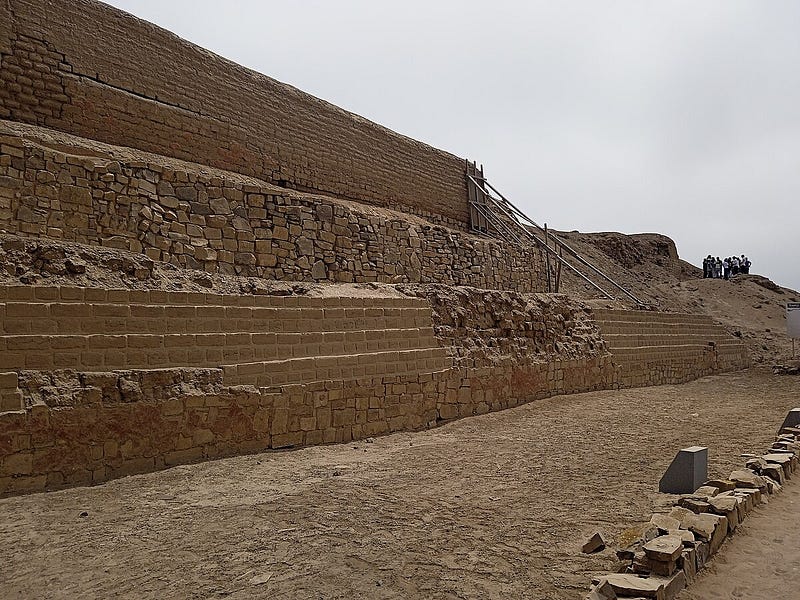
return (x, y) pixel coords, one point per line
(196, 350)
(623, 340)
(76, 294)
(94, 318)
(274, 340)
(321, 368)
(644, 353)
(659, 326)
(643, 316)
(652, 348)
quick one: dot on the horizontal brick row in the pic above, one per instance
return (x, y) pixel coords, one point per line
(644, 316)
(323, 368)
(30, 293)
(198, 350)
(636, 327)
(665, 339)
(91, 318)
(642, 353)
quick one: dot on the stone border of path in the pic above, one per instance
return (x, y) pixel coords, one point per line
(665, 554)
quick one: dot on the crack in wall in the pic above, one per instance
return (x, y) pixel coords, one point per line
(96, 79)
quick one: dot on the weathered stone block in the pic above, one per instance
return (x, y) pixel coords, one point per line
(687, 472)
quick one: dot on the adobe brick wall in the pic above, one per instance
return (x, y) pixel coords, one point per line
(654, 348)
(6, 30)
(85, 426)
(266, 341)
(107, 425)
(86, 68)
(66, 188)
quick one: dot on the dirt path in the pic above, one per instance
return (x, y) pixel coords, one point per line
(489, 507)
(762, 560)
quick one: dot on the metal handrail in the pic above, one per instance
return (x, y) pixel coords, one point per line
(532, 236)
(514, 213)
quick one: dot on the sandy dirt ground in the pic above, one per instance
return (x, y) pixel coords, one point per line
(762, 560)
(494, 506)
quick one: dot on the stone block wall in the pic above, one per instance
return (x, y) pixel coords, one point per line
(62, 427)
(93, 422)
(86, 68)
(104, 425)
(652, 348)
(69, 189)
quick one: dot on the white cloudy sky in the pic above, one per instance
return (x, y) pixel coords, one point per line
(679, 117)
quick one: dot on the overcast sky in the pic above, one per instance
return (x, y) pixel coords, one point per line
(679, 117)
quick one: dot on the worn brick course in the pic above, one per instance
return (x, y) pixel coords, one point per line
(86, 68)
(234, 224)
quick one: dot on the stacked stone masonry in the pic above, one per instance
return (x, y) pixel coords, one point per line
(99, 417)
(660, 348)
(98, 383)
(260, 340)
(88, 427)
(215, 221)
(86, 68)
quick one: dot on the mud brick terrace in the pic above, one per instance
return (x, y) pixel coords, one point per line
(200, 263)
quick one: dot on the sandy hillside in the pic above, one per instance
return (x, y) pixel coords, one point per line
(749, 306)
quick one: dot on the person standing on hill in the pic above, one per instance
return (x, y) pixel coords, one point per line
(726, 269)
(718, 268)
(735, 265)
(705, 268)
(745, 265)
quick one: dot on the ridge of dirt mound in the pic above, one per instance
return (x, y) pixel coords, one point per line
(751, 307)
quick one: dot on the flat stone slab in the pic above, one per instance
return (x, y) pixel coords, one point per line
(707, 490)
(630, 585)
(745, 478)
(723, 485)
(660, 588)
(696, 504)
(780, 458)
(665, 548)
(595, 543)
(665, 522)
(723, 503)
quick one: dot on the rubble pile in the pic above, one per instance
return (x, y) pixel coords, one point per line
(667, 552)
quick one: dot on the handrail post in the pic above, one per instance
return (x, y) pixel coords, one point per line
(515, 215)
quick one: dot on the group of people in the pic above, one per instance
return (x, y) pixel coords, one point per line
(716, 268)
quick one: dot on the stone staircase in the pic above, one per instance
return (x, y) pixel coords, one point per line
(260, 340)
(653, 348)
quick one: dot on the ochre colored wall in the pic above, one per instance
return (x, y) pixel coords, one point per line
(86, 68)
(201, 218)
(91, 422)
